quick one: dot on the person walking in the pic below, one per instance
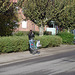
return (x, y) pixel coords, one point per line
(31, 35)
(31, 38)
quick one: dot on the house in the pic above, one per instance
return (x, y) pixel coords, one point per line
(24, 25)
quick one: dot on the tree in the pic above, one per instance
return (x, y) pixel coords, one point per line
(5, 5)
(7, 18)
(36, 11)
(68, 16)
(43, 11)
(63, 13)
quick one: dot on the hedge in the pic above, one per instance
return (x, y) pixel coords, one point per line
(21, 43)
(67, 38)
(49, 41)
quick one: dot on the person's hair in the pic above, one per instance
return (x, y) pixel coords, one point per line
(30, 31)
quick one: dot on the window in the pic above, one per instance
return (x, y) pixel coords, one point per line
(24, 24)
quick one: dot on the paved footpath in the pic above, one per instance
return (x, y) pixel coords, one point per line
(21, 56)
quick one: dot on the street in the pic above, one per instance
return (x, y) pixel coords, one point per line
(59, 64)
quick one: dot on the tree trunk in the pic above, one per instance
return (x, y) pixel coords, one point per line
(41, 31)
(68, 30)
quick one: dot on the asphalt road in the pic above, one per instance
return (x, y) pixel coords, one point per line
(59, 64)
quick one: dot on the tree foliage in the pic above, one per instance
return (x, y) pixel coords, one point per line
(7, 18)
(35, 10)
(5, 5)
(64, 13)
(46, 10)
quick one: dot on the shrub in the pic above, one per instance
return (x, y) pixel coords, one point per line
(49, 41)
(67, 38)
(21, 43)
(47, 33)
(20, 33)
(13, 44)
(23, 33)
(36, 32)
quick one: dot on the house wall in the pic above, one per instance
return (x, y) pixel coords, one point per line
(30, 24)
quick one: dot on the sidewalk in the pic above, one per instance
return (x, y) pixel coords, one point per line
(21, 56)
